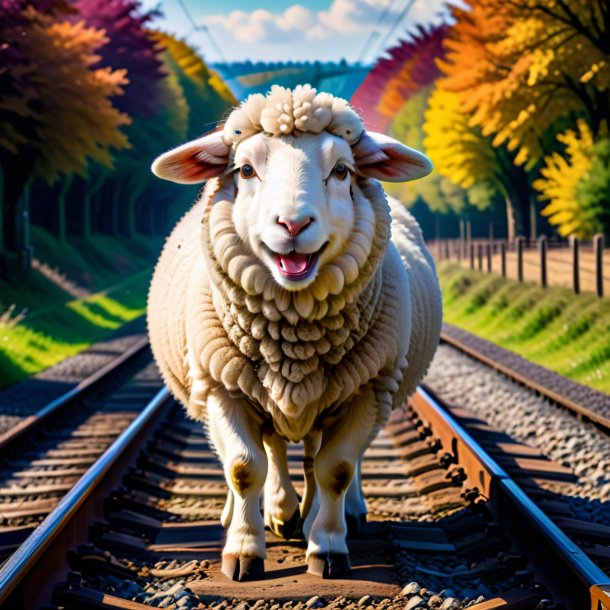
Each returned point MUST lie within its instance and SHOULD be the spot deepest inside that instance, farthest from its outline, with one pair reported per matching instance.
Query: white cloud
(344, 22)
(263, 26)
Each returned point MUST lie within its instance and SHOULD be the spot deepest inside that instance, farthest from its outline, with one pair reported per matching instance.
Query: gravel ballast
(527, 417)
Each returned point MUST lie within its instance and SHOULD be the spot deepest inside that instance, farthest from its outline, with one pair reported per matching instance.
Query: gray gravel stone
(528, 418)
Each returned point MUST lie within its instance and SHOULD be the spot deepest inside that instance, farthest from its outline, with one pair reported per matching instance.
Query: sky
(285, 30)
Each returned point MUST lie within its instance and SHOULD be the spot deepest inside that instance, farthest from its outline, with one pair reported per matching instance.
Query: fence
(546, 261)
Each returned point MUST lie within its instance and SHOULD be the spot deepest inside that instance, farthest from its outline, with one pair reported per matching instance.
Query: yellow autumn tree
(519, 65)
(561, 177)
(462, 154)
(439, 193)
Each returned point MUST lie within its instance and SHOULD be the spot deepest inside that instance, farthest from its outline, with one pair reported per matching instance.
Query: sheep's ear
(195, 161)
(384, 158)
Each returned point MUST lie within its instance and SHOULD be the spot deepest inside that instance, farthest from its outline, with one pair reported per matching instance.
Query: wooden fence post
(447, 253)
(480, 255)
(472, 256)
(503, 257)
(519, 242)
(598, 244)
(542, 247)
(575, 264)
(489, 246)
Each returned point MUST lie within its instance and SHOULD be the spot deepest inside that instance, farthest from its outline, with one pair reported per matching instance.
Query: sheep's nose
(294, 227)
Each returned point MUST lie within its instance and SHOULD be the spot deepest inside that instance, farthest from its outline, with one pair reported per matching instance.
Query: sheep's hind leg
(233, 426)
(281, 502)
(345, 439)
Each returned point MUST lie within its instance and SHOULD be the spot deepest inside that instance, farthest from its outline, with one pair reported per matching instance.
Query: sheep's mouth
(295, 266)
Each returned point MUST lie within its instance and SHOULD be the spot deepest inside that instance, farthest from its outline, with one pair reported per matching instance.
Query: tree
(207, 95)
(130, 46)
(438, 192)
(418, 70)
(519, 65)
(577, 184)
(467, 158)
(64, 105)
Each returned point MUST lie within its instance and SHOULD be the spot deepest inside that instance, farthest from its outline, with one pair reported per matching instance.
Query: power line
(374, 35)
(399, 19)
(203, 28)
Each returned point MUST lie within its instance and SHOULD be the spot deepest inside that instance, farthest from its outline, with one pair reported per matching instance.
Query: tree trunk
(16, 176)
(62, 221)
(511, 219)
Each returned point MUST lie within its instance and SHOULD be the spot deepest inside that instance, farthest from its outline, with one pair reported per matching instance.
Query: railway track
(45, 455)
(454, 522)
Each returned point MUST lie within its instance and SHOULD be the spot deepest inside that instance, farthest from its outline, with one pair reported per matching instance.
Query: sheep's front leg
(237, 432)
(355, 506)
(281, 502)
(344, 440)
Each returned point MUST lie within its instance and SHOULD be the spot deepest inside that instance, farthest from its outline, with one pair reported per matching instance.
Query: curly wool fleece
(283, 112)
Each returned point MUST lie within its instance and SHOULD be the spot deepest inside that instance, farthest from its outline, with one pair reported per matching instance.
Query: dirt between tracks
(286, 576)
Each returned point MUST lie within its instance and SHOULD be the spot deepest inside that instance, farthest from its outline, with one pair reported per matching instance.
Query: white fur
(262, 358)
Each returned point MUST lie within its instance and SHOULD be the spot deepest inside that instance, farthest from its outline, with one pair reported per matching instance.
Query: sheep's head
(295, 158)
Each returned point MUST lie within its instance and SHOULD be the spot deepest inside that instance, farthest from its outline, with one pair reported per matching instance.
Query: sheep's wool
(295, 354)
(284, 111)
(218, 319)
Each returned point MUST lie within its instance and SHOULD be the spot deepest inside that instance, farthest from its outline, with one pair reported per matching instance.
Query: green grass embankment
(88, 290)
(567, 333)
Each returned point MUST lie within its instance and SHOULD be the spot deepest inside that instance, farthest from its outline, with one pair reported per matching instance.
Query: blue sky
(288, 30)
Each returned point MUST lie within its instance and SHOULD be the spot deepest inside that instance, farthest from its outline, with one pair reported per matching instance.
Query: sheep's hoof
(330, 565)
(288, 530)
(355, 524)
(242, 568)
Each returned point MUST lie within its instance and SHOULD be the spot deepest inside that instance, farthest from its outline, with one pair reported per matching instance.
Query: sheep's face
(294, 204)
(296, 201)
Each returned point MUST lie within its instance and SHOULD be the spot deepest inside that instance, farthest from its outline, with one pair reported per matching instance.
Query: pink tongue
(294, 262)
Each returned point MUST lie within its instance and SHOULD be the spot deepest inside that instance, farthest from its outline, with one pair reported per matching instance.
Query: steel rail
(482, 470)
(22, 561)
(29, 423)
(553, 395)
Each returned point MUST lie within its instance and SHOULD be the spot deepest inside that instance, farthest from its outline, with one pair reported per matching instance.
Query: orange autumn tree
(519, 65)
(521, 68)
(68, 116)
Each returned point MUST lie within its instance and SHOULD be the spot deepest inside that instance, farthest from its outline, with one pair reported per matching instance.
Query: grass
(41, 321)
(567, 333)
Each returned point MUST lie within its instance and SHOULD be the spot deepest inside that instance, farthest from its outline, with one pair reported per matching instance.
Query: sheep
(280, 310)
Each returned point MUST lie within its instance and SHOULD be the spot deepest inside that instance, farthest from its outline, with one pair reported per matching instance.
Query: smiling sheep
(280, 310)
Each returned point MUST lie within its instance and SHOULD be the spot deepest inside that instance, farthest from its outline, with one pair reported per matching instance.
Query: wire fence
(548, 262)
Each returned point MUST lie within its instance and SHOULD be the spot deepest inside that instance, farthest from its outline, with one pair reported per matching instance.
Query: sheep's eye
(340, 171)
(247, 171)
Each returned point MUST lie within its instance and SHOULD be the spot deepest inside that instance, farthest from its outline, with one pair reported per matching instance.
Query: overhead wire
(374, 35)
(203, 28)
(399, 19)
